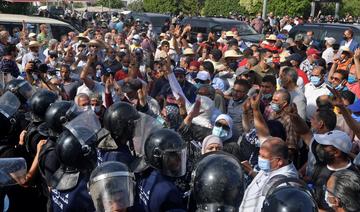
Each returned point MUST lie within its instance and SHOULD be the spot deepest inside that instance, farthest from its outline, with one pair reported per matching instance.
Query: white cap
(330, 40)
(336, 138)
(203, 75)
(31, 34)
(136, 37)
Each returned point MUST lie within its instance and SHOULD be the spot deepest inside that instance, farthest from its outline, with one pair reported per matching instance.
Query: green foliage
(161, 6)
(110, 3)
(224, 7)
(16, 8)
(351, 7)
(137, 6)
(189, 7)
(252, 7)
(289, 7)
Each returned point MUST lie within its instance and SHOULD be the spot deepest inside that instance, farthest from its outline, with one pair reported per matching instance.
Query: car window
(158, 21)
(58, 31)
(245, 29)
(10, 26)
(336, 33)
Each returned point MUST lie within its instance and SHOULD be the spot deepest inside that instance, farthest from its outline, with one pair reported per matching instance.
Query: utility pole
(264, 9)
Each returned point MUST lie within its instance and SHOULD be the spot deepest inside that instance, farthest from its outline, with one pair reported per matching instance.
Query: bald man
(274, 164)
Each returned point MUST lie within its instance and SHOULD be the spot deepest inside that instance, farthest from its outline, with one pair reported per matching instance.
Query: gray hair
(284, 94)
(291, 73)
(347, 189)
(52, 42)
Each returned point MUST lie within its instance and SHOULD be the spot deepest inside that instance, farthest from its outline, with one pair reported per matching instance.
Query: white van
(56, 28)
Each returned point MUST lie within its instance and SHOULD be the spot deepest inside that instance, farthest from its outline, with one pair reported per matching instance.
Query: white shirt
(254, 194)
(347, 43)
(328, 55)
(287, 27)
(31, 56)
(98, 89)
(311, 94)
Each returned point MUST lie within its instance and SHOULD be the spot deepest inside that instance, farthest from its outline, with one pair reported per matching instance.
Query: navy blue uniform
(159, 193)
(121, 154)
(76, 199)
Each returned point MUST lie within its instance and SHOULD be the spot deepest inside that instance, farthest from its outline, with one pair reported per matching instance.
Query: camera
(38, 67)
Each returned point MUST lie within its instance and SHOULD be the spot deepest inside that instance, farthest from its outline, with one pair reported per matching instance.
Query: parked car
(157, 20)
(323, 30)
(216, 25)
(56, 28)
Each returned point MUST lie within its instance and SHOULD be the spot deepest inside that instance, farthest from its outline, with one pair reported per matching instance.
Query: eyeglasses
(92, 46)
(225, 127)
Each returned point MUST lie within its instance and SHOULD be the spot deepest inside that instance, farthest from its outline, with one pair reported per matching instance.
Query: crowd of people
(118, 118)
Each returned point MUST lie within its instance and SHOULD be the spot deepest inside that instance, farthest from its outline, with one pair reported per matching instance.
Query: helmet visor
(174, 163)
(9, 104)
(26, 90)
(112, 191)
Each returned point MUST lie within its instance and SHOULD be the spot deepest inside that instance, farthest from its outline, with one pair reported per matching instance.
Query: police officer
(284, 195)
(111, 187)
(119, 120)
(165, 152)
(22, 89)
(76, 152)
(217, 183)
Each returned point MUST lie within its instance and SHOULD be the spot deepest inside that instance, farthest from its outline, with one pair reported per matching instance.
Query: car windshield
(245, 29)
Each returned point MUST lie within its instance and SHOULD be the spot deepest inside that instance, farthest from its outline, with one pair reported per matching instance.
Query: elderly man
(274, 164)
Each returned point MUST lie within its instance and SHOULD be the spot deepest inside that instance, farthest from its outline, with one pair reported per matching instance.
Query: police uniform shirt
(254, 195)
(158, 193)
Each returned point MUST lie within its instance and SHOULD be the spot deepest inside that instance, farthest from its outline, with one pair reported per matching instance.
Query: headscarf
(229, 121)
(210, 139)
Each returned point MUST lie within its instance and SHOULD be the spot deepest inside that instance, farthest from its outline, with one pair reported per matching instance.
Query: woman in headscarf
(211, 143)
(223, 128)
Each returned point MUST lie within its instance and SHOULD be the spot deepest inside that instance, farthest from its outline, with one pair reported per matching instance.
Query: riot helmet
(166, 151)
(9, 104)
(21, 88)
(217, 182)
(39, 103)
(119, 120)
(57, 114)
(111, 186)
(12, 171)
(289, 195)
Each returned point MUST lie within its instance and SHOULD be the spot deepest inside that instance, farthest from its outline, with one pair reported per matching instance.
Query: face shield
(9, 104)
(113, 191)
(174, 162)
(12, 171)
(25, 90)
(85, 127)
(142, 128)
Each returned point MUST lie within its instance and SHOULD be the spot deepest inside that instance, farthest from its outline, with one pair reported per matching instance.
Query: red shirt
(302, 74)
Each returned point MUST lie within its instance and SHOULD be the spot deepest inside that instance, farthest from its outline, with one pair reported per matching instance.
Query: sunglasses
(225, 127)
(336, 79)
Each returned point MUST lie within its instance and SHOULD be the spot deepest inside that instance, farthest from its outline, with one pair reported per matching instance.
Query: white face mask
(327, 201)
(96, 108)
(85, 108)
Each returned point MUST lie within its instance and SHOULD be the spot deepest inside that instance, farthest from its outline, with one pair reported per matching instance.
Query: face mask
(98, 73)
(96, 108)
(125, 69)
(267, 96)
(315, 80)
(327, 201)
(219, 131)
(275, 107)
(123, 50)
(197, 85)
(264, 164)
(199, 40)
(9, 39)
(193, 75)
(339, 87)
(85, 108)
(233, 65)
(352, 79)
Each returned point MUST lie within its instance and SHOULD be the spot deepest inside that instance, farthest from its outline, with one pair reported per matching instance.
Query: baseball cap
(132, 85)
(179, 70)
(241, 70)
(203, 75)
(330, 40)
(297, 57)
(355, 108)
(312, 51)
(136, 37)
(336, 138)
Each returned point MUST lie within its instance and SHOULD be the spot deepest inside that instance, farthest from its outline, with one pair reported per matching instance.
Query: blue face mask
(267, 96)
(197, 85)
(233, 65)
(275, 107)
(193, 75)
(125, 69)
(315, 80)
(264, 164)
(352, 79)
(219, 131)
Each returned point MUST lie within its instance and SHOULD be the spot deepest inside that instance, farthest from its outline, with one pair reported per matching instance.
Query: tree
(290, 7)
(137, 6)
(110, 3)
(251, 6)
(161, 6)
(351, 7)
(217, 8)
(190, 7)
